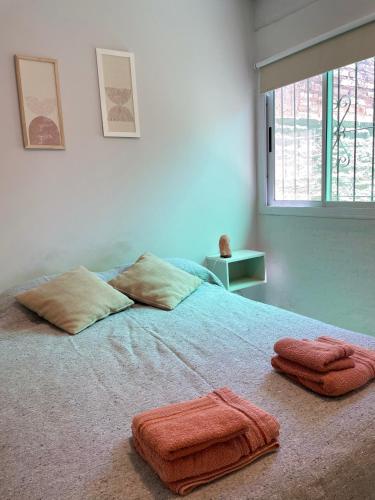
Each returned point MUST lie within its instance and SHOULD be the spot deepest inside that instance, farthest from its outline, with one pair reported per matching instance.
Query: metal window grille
(322, 137)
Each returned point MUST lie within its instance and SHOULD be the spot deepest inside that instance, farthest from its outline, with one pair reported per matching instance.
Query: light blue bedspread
(66, 402)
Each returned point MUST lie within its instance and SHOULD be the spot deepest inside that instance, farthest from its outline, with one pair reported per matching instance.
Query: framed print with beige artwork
(118, 93)
(40, 103)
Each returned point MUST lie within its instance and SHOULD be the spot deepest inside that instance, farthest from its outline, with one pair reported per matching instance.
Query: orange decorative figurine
(224, 246)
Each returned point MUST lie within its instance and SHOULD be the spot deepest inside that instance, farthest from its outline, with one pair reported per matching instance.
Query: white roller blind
(351, 46)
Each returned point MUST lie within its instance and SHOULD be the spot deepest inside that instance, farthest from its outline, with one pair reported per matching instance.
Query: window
(321, 139)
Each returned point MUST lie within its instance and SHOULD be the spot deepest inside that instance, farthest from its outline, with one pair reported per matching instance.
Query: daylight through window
(322, 137)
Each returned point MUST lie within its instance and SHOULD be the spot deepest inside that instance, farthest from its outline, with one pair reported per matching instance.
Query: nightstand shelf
(241, 283)
(246, 268)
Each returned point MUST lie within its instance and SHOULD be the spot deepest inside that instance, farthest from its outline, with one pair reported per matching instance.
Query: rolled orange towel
(334, 382)
(195, 442)
(317, 355)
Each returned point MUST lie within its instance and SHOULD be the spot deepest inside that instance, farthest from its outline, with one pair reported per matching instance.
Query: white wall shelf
(246, 268)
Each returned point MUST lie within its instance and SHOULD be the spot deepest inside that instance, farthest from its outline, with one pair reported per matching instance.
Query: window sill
(342, 212)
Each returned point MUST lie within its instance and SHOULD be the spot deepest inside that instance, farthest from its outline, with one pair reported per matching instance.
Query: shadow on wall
(322, 268)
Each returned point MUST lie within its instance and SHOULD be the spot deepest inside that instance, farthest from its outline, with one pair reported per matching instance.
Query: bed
(66, 402)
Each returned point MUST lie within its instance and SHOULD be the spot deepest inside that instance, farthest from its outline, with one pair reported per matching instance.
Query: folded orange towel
(188, 444)
(315, 354)
(334, 382)
(187, 484)
(180, 429)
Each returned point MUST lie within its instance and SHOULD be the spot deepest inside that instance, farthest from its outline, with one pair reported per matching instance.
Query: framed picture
(118, 93)
(40, 104)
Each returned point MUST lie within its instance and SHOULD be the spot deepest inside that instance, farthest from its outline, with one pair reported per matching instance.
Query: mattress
(66, 402)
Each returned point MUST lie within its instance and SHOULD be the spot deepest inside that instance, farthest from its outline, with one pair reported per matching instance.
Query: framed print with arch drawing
(118, 93)
(39, 101)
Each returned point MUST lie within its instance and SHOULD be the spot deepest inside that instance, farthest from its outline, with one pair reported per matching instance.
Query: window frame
(270, 126)
(266, 159)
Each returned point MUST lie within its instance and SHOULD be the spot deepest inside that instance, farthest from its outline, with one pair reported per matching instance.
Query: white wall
(103, 201)
(320, 267)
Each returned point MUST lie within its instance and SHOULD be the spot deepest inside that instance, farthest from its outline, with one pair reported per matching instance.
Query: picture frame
(39, 98)
(118, 93)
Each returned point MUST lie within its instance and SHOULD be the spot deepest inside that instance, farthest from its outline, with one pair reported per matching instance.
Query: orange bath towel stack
(195, 442)
(327, 366)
